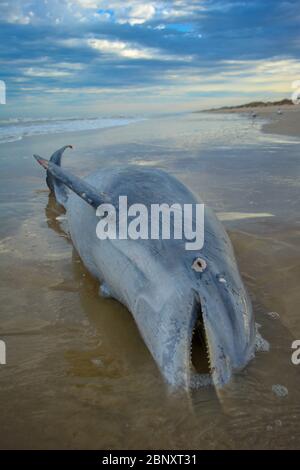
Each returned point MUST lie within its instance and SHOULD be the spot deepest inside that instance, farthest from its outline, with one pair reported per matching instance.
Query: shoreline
(287, 123)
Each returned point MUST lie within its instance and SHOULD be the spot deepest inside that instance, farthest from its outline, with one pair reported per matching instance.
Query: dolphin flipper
(104, 291)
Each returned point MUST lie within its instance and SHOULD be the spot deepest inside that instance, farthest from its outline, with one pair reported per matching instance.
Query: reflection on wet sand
(78, 374)
(54, 214)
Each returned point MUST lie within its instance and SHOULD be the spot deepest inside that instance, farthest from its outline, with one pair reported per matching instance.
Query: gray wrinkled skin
(155, 280)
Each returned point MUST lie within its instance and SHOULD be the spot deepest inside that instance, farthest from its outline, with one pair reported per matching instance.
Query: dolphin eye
(199, 265)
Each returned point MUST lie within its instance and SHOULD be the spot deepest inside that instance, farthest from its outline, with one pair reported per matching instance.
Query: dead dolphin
(191, 308)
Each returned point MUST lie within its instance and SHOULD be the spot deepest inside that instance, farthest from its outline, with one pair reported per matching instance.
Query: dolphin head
(197, 320)
(223, 322)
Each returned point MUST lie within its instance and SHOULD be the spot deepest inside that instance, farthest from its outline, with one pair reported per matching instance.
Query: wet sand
(78, 374)
(285, 123)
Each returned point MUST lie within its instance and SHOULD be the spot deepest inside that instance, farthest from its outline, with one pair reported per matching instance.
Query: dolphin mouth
(200, 360)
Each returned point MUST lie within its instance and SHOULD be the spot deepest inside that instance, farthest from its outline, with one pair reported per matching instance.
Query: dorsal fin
(87, 192)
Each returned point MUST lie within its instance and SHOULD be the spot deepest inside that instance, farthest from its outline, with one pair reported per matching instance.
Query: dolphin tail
(63, 179)
(55, 158)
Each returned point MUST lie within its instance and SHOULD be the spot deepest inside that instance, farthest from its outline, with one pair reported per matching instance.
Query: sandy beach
(149, 230)
(286, 123)
(78, 373)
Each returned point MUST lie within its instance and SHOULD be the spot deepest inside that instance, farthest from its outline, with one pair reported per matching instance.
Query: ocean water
(78, 373)
(17, 128)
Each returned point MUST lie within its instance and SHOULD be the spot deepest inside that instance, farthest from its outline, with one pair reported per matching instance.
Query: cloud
(138, 14)
(45, 69)
(13, 12)
(42, 73)
(176, 50)
(271, 76)
(119, 48)
(123, 49)
(133, 12)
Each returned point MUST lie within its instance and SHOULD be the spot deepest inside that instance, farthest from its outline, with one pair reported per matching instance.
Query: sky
(100, 57)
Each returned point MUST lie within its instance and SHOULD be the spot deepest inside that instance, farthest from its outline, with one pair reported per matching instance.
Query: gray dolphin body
(197, 323)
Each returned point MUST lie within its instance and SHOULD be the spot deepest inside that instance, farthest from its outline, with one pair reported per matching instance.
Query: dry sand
(287, 123)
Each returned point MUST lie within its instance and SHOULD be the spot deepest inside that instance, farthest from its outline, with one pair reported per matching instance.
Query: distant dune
(253, 104)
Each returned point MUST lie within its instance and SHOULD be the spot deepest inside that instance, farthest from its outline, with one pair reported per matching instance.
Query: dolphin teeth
(199, 329)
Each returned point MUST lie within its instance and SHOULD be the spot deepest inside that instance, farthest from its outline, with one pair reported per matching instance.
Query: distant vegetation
(255, 104)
